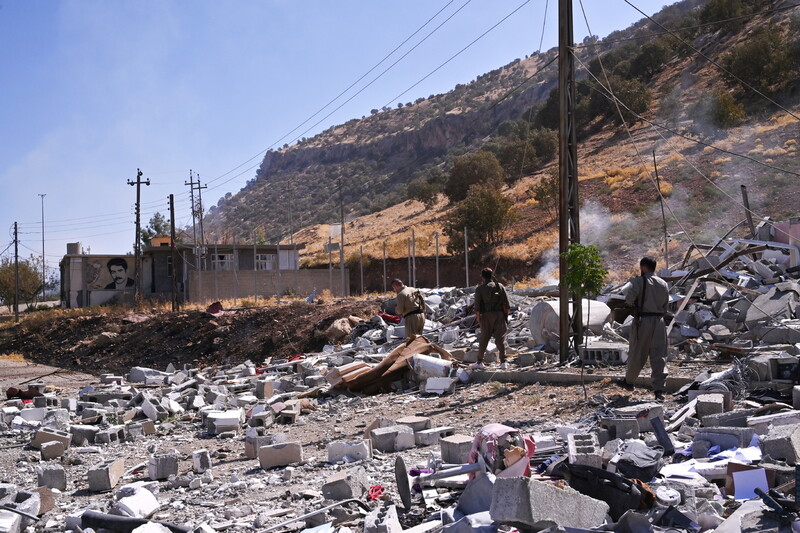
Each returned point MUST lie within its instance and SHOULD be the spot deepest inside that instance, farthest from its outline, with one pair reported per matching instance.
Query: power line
(343, 92)
(720, 67)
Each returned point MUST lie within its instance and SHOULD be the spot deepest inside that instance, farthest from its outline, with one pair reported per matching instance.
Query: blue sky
(94, 89)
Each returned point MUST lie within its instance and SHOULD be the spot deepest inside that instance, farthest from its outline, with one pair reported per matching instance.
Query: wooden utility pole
(174, 254)
(44, 267)
(568, 209)
(16, 273)
(663, 213)
(138, 242)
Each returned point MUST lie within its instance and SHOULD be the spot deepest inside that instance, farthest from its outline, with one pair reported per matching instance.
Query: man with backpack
(649, 297)
(491, 313)
(411, 306)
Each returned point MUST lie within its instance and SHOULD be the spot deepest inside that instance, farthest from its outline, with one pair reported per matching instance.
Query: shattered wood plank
(684, 302)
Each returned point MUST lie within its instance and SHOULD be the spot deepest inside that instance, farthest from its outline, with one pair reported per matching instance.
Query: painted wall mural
(111, 274)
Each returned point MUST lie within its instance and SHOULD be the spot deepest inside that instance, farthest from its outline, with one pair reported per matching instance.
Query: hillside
(698, 156)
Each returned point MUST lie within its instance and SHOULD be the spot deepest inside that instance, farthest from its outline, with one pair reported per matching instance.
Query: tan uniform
(491, 301)
(649, 333)
(411, 307)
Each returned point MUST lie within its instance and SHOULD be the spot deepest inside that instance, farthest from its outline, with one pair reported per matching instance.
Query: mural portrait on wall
(118, 269)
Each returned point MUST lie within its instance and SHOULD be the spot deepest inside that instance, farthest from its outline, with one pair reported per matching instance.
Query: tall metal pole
(138, 242)
(44, 264)
(255, 270)
(174, 254)
(408, 258)
(466, 257)
(663, 215)
(330, 264)
(436, 236)
(413, 258)
(194, 212)
(568, 209)
(199, 189)
(16, 273)
(341, 230)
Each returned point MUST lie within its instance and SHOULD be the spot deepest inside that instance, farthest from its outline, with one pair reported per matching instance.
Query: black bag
(639, 461)
(621, 494)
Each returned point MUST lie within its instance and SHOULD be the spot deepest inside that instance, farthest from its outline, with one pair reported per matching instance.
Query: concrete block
(221, 421)
(782, 442)
(378, 423)
(341, 451)
(52, 450)
(28, 502)
(710, 404)
(50, 435)
(137, 502)
(655, 410)
(263, 419)
(438, 385)
(346, 484)
(584, 449)
(456, 448)
(622, 428)
(416, 423)
(110, 435)
(726, 437)
(732, 419)
(45, 401)
(760, 424)
(429, 437)
(796, 396)
(392, 438)
(33, 414)
(83, 434)
(280, 455)
(154, 411)
(161, 466)
(538, 505)
(201, 461)
(52, 476)
(253, 442)
(383, 519)
(106, 475)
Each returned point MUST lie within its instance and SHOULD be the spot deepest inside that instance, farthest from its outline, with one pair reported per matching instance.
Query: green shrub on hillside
(485, 212)
(765, 61)
(471, 169)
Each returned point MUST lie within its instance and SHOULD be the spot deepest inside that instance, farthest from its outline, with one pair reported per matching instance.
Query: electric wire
(720, 67)
(650, 176)
(352, 85)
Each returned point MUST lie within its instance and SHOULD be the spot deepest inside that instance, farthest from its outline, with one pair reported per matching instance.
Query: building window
(222, 261)
(265, 261)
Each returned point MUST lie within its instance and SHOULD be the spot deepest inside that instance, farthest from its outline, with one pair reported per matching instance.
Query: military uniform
(649, 295)
(411, 307)
(491, 301)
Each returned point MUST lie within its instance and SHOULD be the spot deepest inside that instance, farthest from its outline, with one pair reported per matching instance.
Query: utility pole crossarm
(138, 242)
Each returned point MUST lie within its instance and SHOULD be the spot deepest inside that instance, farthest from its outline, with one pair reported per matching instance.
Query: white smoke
(596, 222)
(548, 273)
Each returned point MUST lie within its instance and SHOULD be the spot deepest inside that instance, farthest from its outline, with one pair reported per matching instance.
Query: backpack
(638, 460)
(495, 300)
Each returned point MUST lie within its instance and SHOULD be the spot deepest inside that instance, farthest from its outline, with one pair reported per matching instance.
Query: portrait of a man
(118, 268)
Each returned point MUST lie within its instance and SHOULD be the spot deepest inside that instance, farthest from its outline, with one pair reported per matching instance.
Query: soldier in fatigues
(491, 311)
(649, 297)
(411, 307)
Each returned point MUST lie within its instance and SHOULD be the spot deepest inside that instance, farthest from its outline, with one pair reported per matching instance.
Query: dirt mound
(114, 341)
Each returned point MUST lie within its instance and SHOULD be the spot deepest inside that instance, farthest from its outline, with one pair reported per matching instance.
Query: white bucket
(426, 367)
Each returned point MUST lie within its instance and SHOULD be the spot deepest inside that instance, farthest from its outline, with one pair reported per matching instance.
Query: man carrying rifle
(649, 297)
(491, 313)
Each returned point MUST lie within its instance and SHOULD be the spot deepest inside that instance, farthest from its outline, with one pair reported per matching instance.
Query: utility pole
(413, 258)
(175, 304)
(44, 265)
(384, 266)
(466, 257)
(191, 183)
(199, 189)
(361, 265)
(436, 236)
(330, 264)
(138, 242)
(341, 231)
(663, 214)
(16, 273)
(568, 208)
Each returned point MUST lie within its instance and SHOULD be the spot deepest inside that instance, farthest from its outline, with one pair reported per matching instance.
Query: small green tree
(546, 192)
(30, 280)
(485, 212)
(470, 169)
(765, 60)
(585, 274)
(422, 190)
(725, 111)
(158, 225)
